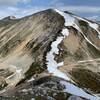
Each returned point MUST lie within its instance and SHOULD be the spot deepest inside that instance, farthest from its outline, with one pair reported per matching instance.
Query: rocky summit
(50, 55)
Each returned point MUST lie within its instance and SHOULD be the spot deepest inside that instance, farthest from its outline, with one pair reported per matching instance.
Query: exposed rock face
(26, 50)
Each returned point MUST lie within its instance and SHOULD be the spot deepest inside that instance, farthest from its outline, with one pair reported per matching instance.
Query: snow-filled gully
(52, 65)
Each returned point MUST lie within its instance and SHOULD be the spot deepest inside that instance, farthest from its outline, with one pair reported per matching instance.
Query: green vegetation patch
(83, 23)
(95, 53)
(86, 78)
(35, 68)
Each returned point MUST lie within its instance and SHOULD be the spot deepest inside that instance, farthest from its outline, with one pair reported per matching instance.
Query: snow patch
(24, 90)
(30, 80)
(69, 20)
(60, 64)
(54, 45)
(17, 72)
(72, 89)
(52, 65)
(32, 98)
(65, 32)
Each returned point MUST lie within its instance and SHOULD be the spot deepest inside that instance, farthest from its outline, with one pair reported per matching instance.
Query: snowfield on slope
(71, 88)
(52, 65)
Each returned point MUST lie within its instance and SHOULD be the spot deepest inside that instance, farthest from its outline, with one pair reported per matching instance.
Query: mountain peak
(52, 43)
(9, 18)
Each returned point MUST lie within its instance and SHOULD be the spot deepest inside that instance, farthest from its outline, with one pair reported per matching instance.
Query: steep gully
(52, 65)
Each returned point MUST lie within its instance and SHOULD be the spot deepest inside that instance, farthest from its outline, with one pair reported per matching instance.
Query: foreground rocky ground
(46, 88)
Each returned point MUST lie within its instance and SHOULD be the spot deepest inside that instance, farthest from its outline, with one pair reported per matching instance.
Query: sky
(20, 8)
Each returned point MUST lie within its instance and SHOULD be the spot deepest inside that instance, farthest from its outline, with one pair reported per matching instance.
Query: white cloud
(8, 7)
(8, 2)
(83, 9)
(20, 12)
(11, 2)
(95, 17)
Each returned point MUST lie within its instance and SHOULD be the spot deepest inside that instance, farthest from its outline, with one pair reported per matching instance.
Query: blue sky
(20, 8)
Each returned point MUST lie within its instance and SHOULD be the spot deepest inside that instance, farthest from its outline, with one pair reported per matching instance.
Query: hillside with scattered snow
(50, 52)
